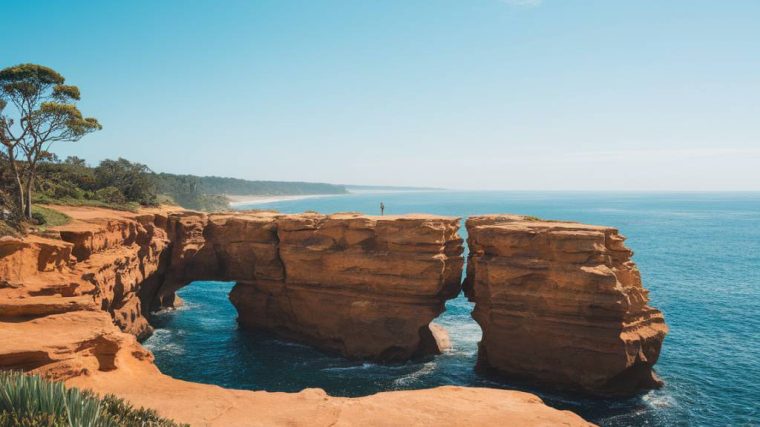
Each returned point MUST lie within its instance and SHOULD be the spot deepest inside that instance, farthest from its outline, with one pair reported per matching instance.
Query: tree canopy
(36, 110)
(133, 180)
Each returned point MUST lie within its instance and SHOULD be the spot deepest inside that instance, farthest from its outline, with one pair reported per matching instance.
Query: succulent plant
(31, 401)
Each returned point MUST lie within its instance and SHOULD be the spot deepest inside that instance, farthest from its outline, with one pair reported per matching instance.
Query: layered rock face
(360, 286)
(65, 304)
(365, 287)
(561, 303)
(60, 299)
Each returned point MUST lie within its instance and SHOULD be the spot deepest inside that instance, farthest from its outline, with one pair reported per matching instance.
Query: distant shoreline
(239, 200)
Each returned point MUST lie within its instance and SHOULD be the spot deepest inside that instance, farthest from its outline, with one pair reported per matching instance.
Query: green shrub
(39, 218)
(110, 195)
(134, 180)
(66, 190)
(37, 420)
(30, 401)
(124, 414)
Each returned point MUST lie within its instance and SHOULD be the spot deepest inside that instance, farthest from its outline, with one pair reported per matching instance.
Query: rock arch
(364, 287)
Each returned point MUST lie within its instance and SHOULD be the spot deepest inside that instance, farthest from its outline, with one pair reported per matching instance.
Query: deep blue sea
(699, 255)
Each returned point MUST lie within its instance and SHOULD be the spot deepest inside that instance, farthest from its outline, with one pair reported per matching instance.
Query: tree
(134, 180)
(45, 113)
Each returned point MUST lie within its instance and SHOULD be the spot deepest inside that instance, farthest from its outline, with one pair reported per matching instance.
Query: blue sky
(472, 94)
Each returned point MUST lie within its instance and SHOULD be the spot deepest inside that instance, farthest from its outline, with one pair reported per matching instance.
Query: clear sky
(472, 94)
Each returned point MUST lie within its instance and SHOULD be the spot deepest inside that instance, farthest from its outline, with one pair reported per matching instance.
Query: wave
(170, 310)
(427, 369)
(163, 342)
(365, 365)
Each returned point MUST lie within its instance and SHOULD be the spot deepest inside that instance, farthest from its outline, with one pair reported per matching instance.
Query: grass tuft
(70, 201)
(47, 217)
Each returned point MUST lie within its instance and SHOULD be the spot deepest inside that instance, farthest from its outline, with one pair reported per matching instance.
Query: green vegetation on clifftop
(124, 185)
(47, 217)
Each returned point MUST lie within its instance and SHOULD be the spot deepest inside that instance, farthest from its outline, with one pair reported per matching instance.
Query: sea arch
(364, 287)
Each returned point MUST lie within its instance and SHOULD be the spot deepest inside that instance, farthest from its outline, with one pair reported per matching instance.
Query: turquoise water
(699, 255)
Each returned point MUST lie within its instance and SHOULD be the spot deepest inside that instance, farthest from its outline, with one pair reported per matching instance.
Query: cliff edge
(71, 309)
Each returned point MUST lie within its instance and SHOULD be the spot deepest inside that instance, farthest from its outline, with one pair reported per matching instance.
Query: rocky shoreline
(72, 308)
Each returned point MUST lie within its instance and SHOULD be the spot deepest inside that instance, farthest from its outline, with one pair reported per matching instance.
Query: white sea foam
(657, 399)
(170, 310)
(365, 365)
(426, 369)
(161, 339)
(290, 343)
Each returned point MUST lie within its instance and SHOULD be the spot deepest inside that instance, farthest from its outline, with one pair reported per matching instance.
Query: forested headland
(123, 184)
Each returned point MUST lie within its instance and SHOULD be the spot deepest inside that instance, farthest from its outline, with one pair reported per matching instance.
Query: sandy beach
(239, 200)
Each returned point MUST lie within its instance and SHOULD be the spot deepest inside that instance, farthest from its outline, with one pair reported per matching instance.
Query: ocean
(699, 255)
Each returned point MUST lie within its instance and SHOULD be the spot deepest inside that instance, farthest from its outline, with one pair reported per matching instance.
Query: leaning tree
(36, 110)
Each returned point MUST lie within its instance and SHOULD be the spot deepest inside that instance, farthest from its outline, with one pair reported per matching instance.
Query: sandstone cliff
(60, 299)
(365, 287)
(64, 304)
(561, 303)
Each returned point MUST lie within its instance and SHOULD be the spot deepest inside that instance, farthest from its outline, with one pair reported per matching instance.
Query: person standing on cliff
(382, 208)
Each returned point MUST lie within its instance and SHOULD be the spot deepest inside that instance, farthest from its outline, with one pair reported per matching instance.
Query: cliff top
(84, 215)
(496, 221)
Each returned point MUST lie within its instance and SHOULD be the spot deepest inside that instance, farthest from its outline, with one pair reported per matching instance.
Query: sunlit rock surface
(365, 287)
(561, 303)
(70, 309)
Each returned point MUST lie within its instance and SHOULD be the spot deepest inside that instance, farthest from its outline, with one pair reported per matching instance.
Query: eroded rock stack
(561, 303)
